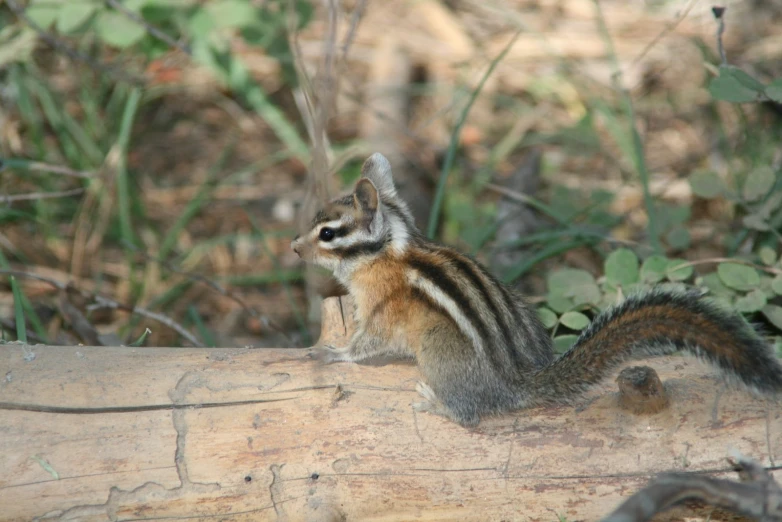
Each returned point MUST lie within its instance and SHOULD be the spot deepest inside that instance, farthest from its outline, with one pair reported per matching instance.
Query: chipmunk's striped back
(503, 331)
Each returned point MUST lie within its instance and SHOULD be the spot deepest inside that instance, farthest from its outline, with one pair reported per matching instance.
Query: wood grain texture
(250, 434)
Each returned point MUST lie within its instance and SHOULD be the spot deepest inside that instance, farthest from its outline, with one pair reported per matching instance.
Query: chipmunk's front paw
(331, 354)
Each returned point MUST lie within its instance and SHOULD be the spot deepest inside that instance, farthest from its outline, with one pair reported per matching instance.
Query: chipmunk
(480, 347)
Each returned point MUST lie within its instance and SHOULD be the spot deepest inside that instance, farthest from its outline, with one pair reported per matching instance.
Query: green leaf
(755, 222)
(43, 12)
(232, 13)
(706, 184)
(752, 302)
(767, 255)
(46, 466)
(118, 30)
(774, 90)
(736, 86)
(776, 285)
(574, 320)
(738, 277)
(199, 26)
(547, 317)
(16, 46)
(562, 282)
(562, 343)
(713, 282)
(678, 238)
(74, 14)
(774, 314)
(137, 5)
(621, 267)
(559, 303)
(571, 287)
(653, 269)
(758, 183)
(676, 272)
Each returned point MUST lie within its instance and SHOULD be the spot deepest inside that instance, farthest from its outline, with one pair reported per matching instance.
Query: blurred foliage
(135, 33)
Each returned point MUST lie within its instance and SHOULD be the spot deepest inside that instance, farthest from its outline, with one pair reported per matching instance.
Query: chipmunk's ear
(377, 169)
(367, 200)
(366, 196)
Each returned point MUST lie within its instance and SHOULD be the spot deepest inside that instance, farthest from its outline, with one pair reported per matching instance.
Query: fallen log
(120, 433)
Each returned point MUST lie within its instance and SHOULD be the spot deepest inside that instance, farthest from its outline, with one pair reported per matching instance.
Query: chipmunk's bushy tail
(659, 323)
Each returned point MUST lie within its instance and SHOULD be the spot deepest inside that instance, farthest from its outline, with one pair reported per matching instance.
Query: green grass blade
(434, 216)
(53, 115)
(141, 339)
(29, 311)
(203, 332)
(276, 119)
(28, 111)
(123, 183)
(21, 324)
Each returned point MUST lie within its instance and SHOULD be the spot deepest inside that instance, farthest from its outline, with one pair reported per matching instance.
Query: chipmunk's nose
(295, 244)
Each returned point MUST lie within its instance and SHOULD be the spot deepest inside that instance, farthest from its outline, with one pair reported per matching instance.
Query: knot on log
(641, 391)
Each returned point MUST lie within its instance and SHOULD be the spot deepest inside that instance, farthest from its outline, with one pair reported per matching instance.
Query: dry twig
(38, 166)
(104, 302)
(34, 196)
(265, 320)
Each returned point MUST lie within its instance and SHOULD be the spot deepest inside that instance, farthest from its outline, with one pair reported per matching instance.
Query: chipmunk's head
(367, 223)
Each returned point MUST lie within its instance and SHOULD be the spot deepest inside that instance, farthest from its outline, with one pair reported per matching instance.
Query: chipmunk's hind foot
(433, 404)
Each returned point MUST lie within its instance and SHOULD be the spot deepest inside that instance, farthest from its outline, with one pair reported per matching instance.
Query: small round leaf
(42, 12)
(232, 13)
(621, 267)
(547, 317)
(706, 184)
(562, 343)
(118, 30)
(678, 270)
(755, 222)
(767, 255)
(574, 320)
(774, 90)
(653, 269)
(74, 14)
(752, 302)
(738, 277)
(758, 183)
(713, 282)
(559, 303)
(774, 314)
(678, 238)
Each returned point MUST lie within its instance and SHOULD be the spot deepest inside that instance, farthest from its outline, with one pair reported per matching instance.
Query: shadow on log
(255, 434)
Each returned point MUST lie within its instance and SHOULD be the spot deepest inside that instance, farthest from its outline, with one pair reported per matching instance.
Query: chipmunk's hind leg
(458, 412)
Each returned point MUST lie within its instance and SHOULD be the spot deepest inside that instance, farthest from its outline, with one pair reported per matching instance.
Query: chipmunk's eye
(326, 234)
